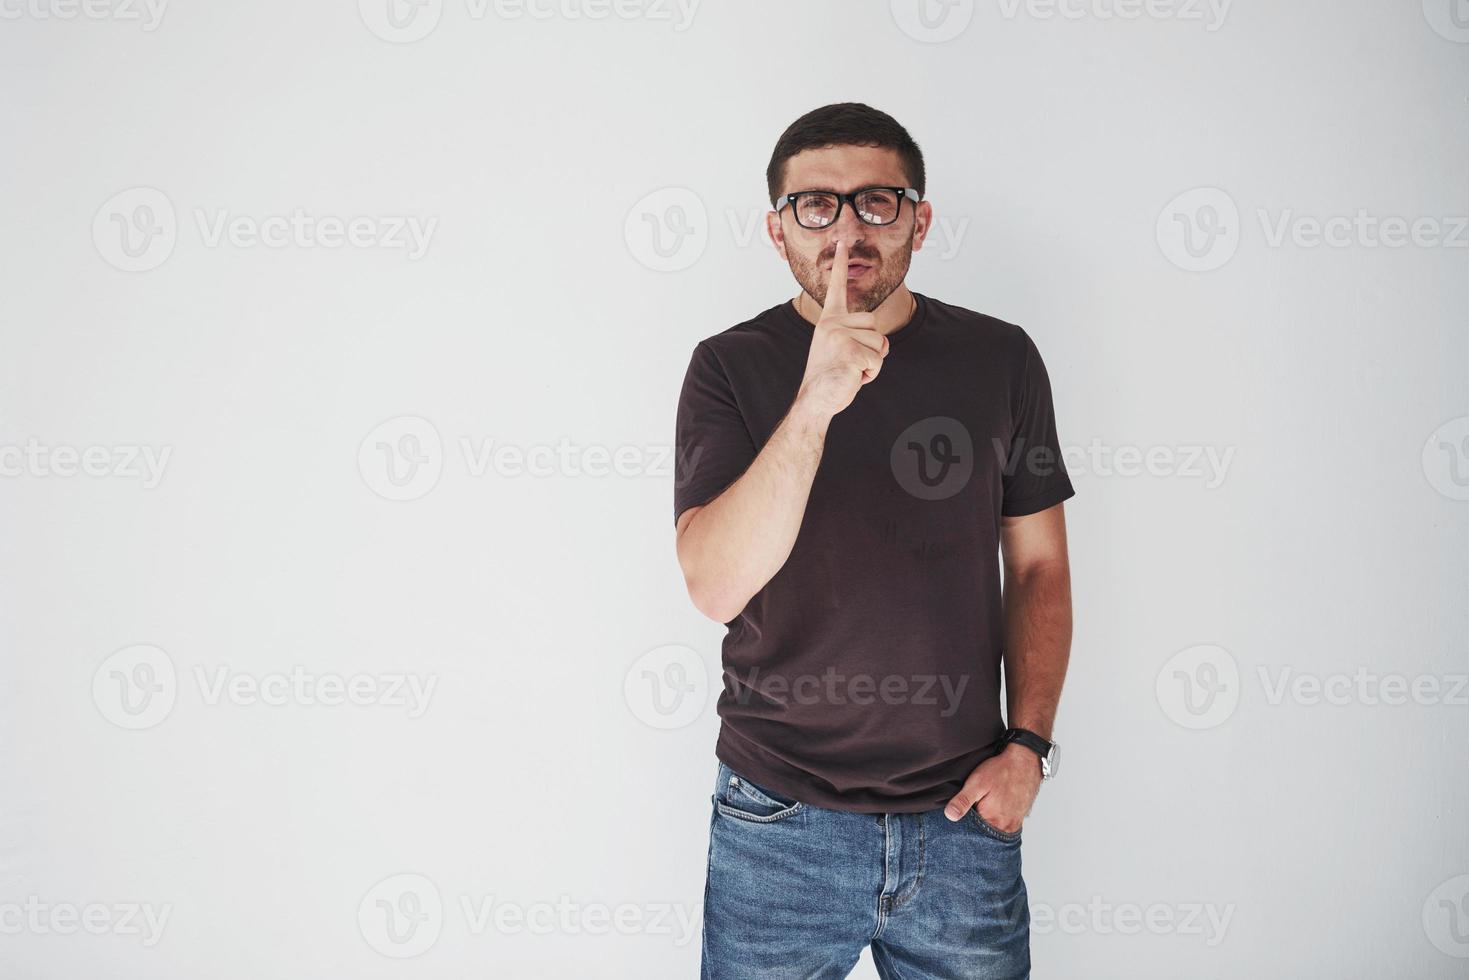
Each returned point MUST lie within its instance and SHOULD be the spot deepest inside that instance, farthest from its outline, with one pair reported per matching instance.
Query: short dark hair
(844, 124)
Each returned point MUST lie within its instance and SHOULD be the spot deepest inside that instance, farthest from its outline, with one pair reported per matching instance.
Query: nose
(848, 228)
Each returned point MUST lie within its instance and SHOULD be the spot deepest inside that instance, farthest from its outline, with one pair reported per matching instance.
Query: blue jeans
(796, 891)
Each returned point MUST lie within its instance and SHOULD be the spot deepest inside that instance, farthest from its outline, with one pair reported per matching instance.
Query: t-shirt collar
(920, 314)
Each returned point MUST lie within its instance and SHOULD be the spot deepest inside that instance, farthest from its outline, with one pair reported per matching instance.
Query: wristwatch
(1048, 751)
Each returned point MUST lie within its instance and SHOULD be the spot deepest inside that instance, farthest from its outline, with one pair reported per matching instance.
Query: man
(851, 463)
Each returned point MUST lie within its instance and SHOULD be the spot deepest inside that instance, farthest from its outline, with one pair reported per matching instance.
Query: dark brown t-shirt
(865, 675)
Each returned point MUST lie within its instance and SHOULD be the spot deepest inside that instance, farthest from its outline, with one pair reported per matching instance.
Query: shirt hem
(751, 764)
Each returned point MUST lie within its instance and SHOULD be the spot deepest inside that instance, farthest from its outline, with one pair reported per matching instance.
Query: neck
(892, 314)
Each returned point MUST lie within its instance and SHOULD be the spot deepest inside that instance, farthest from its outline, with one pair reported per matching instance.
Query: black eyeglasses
(873, 205)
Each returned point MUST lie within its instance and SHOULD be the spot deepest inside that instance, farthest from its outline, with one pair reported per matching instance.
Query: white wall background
(1217, 816)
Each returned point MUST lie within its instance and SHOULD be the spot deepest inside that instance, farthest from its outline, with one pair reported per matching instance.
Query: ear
(774, 233)
(922, 222)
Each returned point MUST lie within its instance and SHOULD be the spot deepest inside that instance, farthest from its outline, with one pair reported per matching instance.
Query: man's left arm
(1037, 607)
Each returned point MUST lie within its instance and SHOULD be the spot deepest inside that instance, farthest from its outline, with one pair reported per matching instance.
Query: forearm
(739, 540)
(1037, 644)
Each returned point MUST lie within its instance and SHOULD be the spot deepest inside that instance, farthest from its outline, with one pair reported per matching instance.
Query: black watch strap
(1029, 739)
(1045, 749)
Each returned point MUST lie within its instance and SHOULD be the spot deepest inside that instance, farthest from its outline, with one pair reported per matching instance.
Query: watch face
(1053, 759)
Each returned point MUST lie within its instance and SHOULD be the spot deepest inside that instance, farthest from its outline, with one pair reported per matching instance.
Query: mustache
(868, 257)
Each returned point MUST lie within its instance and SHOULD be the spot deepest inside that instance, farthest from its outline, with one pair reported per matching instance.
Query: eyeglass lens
(876, 207)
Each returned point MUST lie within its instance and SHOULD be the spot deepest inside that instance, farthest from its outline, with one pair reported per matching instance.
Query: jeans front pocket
(990, 829)
(741, 799)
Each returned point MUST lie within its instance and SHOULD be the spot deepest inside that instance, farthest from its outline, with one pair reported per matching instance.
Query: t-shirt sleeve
(712, 445)
(1035, 475)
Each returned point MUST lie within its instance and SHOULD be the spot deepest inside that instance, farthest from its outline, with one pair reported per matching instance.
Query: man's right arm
(731, 546)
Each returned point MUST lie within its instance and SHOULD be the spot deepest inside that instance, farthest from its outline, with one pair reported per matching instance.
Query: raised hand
(847, 350)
